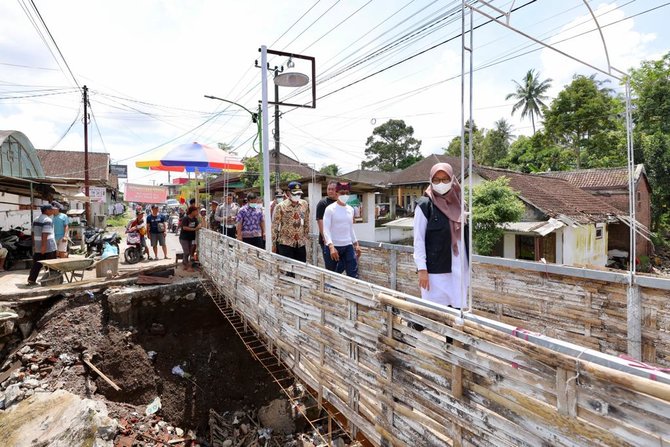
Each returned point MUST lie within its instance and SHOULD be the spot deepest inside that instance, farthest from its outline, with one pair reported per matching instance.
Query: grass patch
(120, 220)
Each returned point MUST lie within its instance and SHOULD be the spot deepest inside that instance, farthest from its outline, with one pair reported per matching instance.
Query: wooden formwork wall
(587, 307)
(457, 383)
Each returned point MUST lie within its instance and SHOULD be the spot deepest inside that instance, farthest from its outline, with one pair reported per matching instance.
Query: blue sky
(149, 63)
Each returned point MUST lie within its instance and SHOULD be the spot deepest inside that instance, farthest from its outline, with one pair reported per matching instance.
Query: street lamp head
(290, 63)
(291, 80)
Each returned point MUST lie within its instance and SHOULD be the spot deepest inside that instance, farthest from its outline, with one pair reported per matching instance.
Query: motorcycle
(18, 244)
(95, 239)
(174, 224)
(135, 251)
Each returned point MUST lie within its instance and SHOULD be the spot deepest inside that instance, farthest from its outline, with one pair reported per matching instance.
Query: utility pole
(87, 203)
(277, 172)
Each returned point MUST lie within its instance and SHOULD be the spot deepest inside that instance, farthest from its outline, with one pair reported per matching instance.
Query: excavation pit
(166, 341)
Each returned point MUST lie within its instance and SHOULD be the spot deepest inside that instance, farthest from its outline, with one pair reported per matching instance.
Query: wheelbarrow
(69, 269)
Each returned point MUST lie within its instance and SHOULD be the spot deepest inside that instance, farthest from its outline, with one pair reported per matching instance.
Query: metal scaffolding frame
(503, 18)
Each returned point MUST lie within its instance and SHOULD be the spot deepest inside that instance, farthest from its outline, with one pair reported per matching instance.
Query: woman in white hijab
(438, 248)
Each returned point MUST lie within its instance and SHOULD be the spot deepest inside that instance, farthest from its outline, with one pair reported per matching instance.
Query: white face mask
(442, 188)
(295, 197)
(254, 205)
(344, 198)
(280, 199)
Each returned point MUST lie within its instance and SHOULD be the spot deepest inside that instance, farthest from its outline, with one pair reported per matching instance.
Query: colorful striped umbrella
(193, 157)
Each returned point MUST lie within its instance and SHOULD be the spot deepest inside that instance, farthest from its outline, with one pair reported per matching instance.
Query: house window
(525, 247)
(534, 248)
(599, 231)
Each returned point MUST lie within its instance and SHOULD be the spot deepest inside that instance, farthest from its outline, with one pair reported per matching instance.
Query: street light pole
(276, 153)
(265, 143)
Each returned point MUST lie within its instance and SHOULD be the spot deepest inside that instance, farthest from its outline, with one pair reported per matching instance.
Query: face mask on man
(442, 188)
(295, 197)
(279, 199)
(254, 205)
(344, 198)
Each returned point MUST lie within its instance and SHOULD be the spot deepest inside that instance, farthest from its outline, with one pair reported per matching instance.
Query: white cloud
(626, 46)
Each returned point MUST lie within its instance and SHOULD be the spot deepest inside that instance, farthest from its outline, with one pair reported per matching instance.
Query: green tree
(585, 118)
(651, 87)
(253, 175)
(478, 135)
(536, 154)
(496, 144)
(331, 169)
(392, 146)
(493, 203)
(530, 96)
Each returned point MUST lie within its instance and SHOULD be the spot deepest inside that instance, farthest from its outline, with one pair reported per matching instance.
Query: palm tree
(504, 129)
(530, 95)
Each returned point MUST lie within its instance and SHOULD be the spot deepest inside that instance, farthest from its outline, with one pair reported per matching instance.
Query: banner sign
(121, 171)
(145, 193)
(97, 194)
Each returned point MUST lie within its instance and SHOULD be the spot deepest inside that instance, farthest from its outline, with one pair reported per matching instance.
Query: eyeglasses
(441, 180)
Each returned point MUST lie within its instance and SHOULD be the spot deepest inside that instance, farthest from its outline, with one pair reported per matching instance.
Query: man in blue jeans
(338, 232)
(157, 226)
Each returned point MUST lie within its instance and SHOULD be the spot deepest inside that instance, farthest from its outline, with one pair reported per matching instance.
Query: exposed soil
(190, 334)
(223, 375)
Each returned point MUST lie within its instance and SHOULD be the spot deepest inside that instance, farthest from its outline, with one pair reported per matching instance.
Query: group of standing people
(50, 237)
(438, 245)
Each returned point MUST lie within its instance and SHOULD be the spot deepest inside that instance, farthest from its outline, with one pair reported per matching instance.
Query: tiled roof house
(611, 186)
(563, 223)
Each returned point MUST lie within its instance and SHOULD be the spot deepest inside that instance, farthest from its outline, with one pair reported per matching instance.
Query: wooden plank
(102, 376)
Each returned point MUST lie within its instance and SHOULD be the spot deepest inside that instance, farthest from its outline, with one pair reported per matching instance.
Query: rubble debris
(140, 363)
(244, 429)
(277, 415)
(153, 407)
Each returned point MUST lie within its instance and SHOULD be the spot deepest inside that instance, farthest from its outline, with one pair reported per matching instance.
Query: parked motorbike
(135, 251)
(19, 245)
(174, 223)
(95, 239)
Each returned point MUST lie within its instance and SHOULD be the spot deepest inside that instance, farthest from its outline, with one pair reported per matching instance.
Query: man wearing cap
(290, 225)
(279, 198)
(44, 242)
(214, 224)
(226, 215)
(61, 225)
(338, 232)
(157, 225)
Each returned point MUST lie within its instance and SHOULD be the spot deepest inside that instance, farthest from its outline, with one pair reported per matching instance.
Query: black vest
(437, 238)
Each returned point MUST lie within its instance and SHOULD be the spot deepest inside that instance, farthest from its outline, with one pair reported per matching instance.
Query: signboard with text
(97, 194)
(145, 193)
(121, 171)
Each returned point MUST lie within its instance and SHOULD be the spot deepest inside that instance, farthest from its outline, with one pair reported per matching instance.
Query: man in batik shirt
(290, 225)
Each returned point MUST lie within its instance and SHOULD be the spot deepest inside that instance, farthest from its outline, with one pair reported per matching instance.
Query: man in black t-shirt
(331, 197)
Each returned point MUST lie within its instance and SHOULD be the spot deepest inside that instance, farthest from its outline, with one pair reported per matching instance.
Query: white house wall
(509, 245)
(365, 231)
(580, 246)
